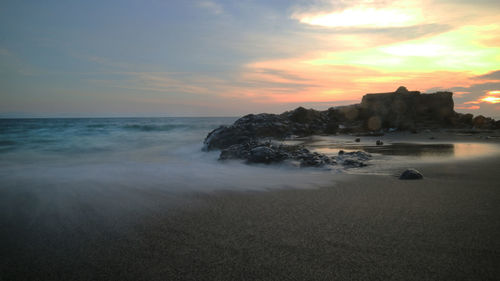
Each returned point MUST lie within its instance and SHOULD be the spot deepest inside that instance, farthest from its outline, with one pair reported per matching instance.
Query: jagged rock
(315, 160)
(268, 152)
(361, 155)
(264, 154)
(353, 163)
(248, 128)
(379, 142)
(411, 174)
(353, 159)
(237, 151)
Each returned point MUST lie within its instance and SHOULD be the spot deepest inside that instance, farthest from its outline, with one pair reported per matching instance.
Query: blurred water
(104, 153)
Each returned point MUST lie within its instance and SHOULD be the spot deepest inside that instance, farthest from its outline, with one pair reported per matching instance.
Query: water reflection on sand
(415, 150)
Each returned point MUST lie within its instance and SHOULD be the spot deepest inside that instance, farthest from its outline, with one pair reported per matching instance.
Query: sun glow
(363, 17)
(491, 97)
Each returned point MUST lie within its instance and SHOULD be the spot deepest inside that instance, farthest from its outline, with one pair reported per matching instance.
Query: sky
(83, 58)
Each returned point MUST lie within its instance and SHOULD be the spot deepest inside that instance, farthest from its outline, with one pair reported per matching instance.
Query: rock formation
(407, 110)
(269, 152)
(399, 110)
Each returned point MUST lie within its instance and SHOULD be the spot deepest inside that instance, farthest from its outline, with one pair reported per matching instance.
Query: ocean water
(129, 153)
(112, 156)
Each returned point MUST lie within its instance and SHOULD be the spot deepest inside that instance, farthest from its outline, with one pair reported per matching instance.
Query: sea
(130, 153)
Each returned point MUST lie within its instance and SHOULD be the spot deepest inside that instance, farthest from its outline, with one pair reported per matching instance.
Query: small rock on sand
(411, 174)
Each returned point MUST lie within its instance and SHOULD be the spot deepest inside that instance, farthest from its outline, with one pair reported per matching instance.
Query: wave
(162, 127)
(98, 126)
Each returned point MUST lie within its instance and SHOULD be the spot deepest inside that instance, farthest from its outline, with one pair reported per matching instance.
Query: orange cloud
(297, 80)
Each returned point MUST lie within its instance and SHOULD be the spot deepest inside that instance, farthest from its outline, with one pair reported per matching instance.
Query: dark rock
(465, 119)
(302, 115)
(411, 174)
(497, 124)
(379, 142)
(315, 160)
(248, 128)
(353, 163)
(237, 151)
(402, 90)
(361, 155)
(353, 159)
(264, 154)
(481, 122)
(357, 140)
(268, 152)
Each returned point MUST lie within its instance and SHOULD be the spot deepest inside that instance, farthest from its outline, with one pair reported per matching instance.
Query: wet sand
(362, 227)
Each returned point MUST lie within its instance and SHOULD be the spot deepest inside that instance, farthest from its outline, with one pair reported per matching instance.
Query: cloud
(482, 94)
(456, 50)
(211, 6)
(494, 75)
(363, 14)
(165, 82)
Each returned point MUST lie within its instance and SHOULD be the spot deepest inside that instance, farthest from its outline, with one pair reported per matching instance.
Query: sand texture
(362, 227)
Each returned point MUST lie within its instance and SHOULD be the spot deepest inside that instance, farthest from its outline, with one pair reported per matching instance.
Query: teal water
(110, 153)
(73, 136)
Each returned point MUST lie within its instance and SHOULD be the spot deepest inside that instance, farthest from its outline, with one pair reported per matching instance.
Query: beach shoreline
(359, 227)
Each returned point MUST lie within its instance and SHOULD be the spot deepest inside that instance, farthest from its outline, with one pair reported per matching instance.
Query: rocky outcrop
(247, 128)
(269, 152)
(407, 110)
(399, 110)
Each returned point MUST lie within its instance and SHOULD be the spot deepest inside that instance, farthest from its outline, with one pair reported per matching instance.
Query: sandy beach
(360, 227)
(253, 140)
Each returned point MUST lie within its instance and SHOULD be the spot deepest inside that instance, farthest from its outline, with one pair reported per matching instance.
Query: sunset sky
(228, 58)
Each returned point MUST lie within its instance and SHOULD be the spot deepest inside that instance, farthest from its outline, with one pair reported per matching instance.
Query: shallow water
(392, 157)
(423, 151)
